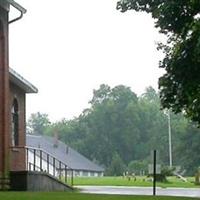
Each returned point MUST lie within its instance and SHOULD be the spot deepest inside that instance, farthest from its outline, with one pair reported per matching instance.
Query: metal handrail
(38, 159)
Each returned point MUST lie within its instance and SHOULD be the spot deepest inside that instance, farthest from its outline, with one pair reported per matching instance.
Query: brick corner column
(4, 93)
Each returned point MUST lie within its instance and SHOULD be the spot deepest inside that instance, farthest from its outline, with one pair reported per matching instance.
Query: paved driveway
(187, 192)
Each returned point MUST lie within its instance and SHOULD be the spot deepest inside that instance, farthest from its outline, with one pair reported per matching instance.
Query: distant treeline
(120, 129)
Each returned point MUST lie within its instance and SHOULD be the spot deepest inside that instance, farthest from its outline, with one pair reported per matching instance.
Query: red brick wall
(17, 154)
(9, 159)
(4, 94)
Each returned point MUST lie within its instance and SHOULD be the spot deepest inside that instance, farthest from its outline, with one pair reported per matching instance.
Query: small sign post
(154, 169)
(154, 172)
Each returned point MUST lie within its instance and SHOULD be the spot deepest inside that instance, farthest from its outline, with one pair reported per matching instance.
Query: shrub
(117, 166)
(138, 167)
(165, 171)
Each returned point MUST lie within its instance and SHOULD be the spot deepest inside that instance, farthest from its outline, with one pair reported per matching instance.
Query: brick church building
(18, 87)
(16, 171)
(13, 88)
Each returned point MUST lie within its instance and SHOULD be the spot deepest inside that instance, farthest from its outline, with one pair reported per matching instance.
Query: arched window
(15, 123)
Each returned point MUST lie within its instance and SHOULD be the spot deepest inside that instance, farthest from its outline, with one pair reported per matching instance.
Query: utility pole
(170, 138)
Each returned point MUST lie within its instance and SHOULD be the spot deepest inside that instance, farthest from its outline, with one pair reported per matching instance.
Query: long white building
(80, 165)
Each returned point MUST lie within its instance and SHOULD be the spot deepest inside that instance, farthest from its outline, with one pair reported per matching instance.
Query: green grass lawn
(77, 196)
(120, 181)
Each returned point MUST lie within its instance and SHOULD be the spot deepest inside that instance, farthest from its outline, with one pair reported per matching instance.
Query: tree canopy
(179, 20)
(120, 129)
(37, 123)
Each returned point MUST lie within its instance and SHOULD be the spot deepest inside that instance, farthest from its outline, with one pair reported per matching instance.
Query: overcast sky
(67, 48)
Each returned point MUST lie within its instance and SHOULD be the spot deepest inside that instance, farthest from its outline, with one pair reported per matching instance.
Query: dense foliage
(37, 123)
(119, 130)
(179, 20)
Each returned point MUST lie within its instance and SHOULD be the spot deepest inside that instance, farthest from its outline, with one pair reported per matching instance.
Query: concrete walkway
(123, 190)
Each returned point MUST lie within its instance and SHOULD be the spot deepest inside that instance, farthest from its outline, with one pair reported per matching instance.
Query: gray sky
(68, 48)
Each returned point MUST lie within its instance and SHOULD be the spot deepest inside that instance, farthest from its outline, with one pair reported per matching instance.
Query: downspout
(19, 8)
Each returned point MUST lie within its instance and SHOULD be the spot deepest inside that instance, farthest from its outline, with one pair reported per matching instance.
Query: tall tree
(179, 20)
(111, 122)
(37, 123)
(117, 167)
(188, 148)
(153, 126)
(120, 128)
